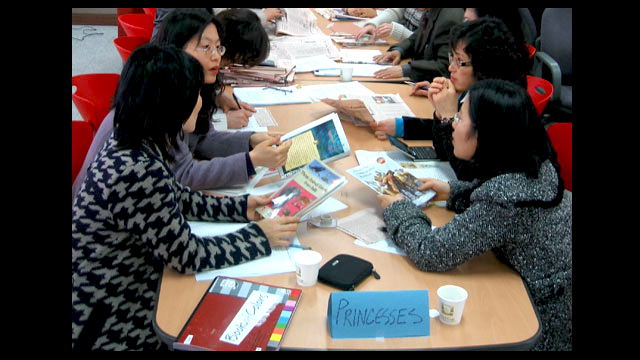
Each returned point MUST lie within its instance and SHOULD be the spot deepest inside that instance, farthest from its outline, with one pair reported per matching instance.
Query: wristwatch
(445, 120)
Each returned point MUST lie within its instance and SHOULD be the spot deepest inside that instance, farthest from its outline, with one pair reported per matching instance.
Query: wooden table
(498, 313)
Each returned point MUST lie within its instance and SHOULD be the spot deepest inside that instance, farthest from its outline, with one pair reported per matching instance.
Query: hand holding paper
(351, 108)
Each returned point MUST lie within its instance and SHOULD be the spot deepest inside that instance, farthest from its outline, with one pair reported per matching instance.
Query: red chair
(81, 137)
(93, 96)
(150, 11)
(540, 91)
(561, 136)
(126, 44)
(531, 50)
(137, 24)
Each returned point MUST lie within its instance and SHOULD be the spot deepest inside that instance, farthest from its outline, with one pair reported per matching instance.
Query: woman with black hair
(480, 49)
(225, 158)
(515, 206)
(129, 220)
(244, 37)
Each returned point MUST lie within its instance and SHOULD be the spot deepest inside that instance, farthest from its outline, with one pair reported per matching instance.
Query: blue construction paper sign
(371, 314)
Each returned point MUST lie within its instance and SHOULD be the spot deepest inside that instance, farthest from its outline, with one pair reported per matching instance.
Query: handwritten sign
(253, 312)
(371, 314)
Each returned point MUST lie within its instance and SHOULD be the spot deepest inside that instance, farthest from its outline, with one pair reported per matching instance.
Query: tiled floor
(95, 53)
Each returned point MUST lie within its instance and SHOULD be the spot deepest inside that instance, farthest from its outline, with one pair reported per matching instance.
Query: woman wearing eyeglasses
(515, 205)
(480, 49)
(226, 158)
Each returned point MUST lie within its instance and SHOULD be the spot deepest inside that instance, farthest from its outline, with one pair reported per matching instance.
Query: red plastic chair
(93, 96)
(150, 11)
(540, 91)
(531, 50)
(561, 136)
(81, 137)
(126, 44)
(137, 24)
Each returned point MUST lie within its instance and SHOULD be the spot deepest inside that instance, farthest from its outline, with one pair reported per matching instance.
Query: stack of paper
(237, 75)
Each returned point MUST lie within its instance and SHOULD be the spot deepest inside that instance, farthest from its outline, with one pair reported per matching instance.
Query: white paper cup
(307, 266)
(451, 301)
(345, 73)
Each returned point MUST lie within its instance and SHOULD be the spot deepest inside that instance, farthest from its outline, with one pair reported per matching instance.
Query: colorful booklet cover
(387, 177)
(303, 192)
(323, 139)
(239, 314)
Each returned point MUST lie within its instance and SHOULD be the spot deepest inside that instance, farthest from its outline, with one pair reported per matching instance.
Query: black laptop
(417, 153)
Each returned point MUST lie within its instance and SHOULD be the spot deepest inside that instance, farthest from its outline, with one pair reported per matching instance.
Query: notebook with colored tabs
(238, 314)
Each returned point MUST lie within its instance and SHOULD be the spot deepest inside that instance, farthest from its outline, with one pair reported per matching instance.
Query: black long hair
(178, 28)
(244, 37)
(493, 50)
(157, 92)
(511, 138)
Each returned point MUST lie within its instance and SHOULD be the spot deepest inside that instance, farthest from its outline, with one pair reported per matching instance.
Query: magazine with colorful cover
(387, 177)
(323, 139)
(303, 192)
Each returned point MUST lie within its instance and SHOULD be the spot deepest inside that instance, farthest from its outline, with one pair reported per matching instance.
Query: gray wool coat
(535, 241)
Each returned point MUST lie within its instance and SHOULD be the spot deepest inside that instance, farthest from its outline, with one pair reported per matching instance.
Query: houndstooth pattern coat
(128, 222)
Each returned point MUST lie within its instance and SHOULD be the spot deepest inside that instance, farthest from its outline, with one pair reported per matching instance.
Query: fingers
(381, 135)
(247, 107)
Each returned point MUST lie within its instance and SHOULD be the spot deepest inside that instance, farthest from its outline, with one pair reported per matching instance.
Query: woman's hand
(259, 137)
(237, 119)
(271, 14)
(280, 229)
(264, 154)
(367, 29)
(418, 91)
(275, 229)
(383, 127)
(389, 73)
(386, 200)
(392, 57)
(443, 97)
(442, 189)
(383, 30)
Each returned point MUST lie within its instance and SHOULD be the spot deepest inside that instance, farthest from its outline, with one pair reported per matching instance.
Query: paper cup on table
(451, 301)
(345, 73)
(307, 266)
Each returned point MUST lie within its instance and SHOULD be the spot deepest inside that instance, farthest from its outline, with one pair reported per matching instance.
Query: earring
(181, 133)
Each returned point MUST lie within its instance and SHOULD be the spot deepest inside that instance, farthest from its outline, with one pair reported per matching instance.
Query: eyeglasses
(458, 63)
(208, 50)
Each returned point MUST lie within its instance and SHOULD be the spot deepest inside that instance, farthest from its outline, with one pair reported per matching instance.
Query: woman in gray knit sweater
(516, 206)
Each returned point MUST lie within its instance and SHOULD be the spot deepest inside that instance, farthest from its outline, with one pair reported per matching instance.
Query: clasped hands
(442, 95)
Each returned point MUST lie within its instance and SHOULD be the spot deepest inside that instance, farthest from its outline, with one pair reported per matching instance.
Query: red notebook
(239, 315)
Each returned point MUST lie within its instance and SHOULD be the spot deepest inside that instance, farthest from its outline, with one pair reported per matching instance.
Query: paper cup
(307, 266)
(345, 73)
(451, 301)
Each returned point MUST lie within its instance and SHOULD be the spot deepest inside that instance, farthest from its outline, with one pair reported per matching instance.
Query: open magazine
(323, 139)
(387, 177)
(305, 191)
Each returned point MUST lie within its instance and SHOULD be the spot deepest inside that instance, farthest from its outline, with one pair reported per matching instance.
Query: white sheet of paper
(257, 307)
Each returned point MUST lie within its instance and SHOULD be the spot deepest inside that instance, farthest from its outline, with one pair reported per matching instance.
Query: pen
(275, 88)
(426, 88)
(300, 246)
(237, 102)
